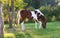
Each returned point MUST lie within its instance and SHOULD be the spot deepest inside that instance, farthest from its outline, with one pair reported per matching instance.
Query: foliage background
(49, 8)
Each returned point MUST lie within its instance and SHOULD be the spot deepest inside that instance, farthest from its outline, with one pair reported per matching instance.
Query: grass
(52, 31)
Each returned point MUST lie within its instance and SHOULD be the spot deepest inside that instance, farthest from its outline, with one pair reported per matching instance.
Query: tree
(9, 15)
(1, 20)
(12, 6)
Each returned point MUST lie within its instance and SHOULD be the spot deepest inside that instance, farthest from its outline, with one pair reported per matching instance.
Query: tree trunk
(12, 5)
(1, 21)
(9, 15)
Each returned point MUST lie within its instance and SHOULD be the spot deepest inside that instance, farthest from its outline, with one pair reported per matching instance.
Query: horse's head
(41, 17)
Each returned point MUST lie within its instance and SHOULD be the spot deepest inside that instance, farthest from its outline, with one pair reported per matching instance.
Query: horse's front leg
(40, 24)
(36, 25)
(22, 25)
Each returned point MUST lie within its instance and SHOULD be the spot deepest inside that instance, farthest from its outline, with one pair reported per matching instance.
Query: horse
(36, 15)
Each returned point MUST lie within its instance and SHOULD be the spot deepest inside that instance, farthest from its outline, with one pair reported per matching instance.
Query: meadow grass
(52, 31)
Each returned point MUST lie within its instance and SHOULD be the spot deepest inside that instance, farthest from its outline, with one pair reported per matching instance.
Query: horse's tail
(18, 18)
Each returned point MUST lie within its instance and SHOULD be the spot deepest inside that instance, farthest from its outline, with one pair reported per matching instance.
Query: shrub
(51, 13)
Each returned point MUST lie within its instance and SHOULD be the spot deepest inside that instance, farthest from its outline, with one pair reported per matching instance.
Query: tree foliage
(48, 7)
(19, 4)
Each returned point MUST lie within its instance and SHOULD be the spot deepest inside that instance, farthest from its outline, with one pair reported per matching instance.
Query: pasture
(52, 31)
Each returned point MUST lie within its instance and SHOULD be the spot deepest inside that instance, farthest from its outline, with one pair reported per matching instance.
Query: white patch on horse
(34, 15)
(39, 11)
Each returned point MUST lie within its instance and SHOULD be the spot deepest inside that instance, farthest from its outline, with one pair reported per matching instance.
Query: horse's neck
(39, 12)
(33, 13)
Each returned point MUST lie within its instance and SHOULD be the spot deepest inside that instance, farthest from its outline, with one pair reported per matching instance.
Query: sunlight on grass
(9, 35)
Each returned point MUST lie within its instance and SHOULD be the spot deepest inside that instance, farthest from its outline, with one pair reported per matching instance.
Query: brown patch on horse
(25, 14)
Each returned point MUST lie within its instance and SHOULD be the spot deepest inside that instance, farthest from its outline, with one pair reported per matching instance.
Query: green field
(52, 31)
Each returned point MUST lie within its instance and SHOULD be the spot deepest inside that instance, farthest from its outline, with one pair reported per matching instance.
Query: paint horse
(36, 15)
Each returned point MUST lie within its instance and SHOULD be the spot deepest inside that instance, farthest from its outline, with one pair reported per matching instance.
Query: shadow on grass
(23, 35)
(28, 35)
(19, 35)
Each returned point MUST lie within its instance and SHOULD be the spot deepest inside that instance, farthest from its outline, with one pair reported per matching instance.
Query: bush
(51, 13)
(30, 8)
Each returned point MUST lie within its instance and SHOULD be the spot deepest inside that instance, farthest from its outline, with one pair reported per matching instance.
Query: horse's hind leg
(22, 25)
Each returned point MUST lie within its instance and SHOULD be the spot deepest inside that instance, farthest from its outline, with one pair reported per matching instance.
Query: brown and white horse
(36, 15)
